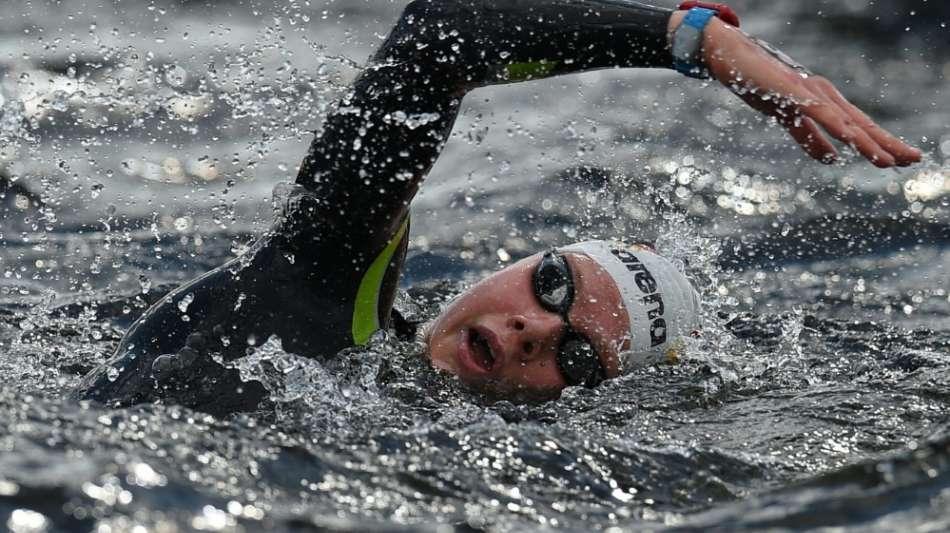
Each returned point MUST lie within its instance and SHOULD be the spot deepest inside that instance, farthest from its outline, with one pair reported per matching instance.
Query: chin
(437, 360)
(424, 336)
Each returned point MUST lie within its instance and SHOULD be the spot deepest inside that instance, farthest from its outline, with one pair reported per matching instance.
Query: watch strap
(688, 43)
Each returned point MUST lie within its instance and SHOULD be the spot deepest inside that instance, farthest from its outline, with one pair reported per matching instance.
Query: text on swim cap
(647, 284)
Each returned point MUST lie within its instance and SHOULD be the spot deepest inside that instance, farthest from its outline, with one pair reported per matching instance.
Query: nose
(534, 334)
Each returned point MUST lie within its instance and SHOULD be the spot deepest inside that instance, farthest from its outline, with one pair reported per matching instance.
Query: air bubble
(182, 224)
(145, 284)
(27, 520)
(175, 75)
(185, 302)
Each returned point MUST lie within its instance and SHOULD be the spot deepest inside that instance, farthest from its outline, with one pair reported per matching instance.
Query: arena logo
(653, 299)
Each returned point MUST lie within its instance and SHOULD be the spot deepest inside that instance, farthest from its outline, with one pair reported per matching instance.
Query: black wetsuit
(324, 277)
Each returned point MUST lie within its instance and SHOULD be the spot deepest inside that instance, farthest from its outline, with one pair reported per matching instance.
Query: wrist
(712, 44)
(688, 42)
(676, 18)
(695, 34)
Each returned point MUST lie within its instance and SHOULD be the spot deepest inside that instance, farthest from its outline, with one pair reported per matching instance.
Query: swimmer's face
(498, 338)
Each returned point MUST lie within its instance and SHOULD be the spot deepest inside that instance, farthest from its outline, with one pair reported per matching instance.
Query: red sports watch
(723, 12)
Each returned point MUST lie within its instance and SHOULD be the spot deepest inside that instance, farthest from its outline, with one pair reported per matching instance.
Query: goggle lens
(579, 363)
(554, 288)
(553, 285)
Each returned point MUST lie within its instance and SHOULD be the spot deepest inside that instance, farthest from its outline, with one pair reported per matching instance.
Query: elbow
(427, 9)
(424, 18)
(434, 38)
(408, 35)
(418, 29)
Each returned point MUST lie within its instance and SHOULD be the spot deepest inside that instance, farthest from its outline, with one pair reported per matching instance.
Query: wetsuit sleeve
(498, 41)
(375, 147)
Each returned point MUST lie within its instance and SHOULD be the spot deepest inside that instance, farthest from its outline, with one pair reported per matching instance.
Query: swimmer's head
(572, 316)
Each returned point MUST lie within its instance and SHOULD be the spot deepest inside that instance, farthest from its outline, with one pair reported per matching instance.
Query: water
(140, 143)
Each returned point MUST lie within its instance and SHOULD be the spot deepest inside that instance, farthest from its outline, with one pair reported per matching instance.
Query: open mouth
(481, 350)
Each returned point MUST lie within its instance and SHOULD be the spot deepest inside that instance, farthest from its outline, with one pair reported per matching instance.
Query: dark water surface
(139, 143)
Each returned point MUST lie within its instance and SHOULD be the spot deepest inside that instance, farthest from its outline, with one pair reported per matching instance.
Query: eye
(554, 296)
(579, 363)
(551, 284)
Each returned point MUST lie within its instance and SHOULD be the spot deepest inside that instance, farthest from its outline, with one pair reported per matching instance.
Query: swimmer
(323, 278)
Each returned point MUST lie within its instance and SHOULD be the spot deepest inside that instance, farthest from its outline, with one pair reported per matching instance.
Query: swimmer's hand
(802, 102)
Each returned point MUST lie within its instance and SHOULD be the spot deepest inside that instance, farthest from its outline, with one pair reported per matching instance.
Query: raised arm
(375, 148)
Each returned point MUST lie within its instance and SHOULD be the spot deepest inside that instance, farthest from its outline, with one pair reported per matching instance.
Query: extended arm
(375, 148)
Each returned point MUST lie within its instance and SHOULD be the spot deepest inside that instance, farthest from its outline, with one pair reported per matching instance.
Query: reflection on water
(139, 144)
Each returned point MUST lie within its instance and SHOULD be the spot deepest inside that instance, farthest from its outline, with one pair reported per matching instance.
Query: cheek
(441, 351)
(480, 300)
(504, 288)
(607, 320)
(455, 312)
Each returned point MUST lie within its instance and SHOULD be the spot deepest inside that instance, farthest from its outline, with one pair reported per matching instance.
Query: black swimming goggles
(553, 286)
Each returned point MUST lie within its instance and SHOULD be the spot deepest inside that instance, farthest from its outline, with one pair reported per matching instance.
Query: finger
(755, 101)
(873, 152)
(900, 149)
(839, 125)
(902, 152)
(803, 129)
(809, 136)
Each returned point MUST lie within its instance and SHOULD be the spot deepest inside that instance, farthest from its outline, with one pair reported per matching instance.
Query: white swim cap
(662, 305)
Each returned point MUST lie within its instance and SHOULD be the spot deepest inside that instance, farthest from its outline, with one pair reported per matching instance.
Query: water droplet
(185, 302)
(175, 75)
(8, 488)
(131, 167)
(27, 520)
(182, 224)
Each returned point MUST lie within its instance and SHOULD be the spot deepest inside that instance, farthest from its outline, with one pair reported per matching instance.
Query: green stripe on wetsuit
(366, 309)
(527, 71)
